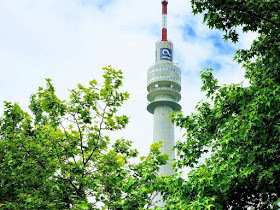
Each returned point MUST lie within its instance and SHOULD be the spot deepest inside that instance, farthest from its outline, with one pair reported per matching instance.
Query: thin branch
(65, 132)
(99, 105)
(100, 128)
(263, 18)
(69, 180)
(151, 199)
(254, 14)
(104, 164)
(81, 139)
(35, 159)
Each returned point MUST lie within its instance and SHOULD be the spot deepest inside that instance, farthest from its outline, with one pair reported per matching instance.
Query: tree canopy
(239, 127)
(60, 156)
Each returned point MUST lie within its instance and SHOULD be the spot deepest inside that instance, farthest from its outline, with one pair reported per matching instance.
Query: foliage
(240, 127)
(60, 156)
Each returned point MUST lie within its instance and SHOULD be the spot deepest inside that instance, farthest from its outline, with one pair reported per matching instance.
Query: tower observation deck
(164, 86)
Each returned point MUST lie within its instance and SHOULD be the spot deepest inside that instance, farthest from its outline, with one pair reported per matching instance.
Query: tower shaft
(164, 131)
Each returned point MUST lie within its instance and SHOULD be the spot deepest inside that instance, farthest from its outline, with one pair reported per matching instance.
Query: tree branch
(66, 134)
(252, 13)
(35, 159)
(100, 128)
(81, 138)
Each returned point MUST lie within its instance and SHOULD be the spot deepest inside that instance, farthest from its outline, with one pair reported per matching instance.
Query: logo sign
(165, 54)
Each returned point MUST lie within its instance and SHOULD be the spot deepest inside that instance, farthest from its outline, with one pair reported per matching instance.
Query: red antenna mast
(164, 20)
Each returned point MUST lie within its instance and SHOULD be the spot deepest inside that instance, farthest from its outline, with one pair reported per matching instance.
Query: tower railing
(163, 88)
(163, 69)
(165, 99)
(167, 78)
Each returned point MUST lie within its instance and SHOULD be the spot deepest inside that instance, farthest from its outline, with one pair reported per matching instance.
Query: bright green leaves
(116, 123)
(209, 82)
(143, 181)
(123, 147)
(13, 116)
(60, 158)
(45, 101)
(113, 81)
(161, 159)
(84, 101)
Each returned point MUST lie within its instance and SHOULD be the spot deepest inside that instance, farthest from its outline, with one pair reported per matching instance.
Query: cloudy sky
(70, 41)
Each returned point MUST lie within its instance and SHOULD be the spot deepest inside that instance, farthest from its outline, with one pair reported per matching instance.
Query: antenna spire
(164, 20)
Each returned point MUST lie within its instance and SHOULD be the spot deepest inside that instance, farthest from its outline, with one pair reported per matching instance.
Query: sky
(70, 41)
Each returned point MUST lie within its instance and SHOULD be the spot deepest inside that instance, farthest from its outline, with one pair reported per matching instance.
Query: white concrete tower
(164, 86)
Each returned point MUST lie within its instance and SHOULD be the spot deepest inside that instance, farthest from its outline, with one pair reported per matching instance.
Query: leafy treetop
(61, 156)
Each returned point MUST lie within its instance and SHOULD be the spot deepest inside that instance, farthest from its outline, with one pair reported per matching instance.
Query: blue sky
(70, 41)
(189, 31)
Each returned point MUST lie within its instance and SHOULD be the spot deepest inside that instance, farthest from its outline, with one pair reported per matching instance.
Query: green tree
(60, 155)
(239, 127)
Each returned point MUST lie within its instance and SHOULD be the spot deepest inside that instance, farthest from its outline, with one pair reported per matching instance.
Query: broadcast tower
(164, 86)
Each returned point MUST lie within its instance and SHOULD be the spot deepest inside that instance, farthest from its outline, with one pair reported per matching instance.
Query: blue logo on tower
(165, 54)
